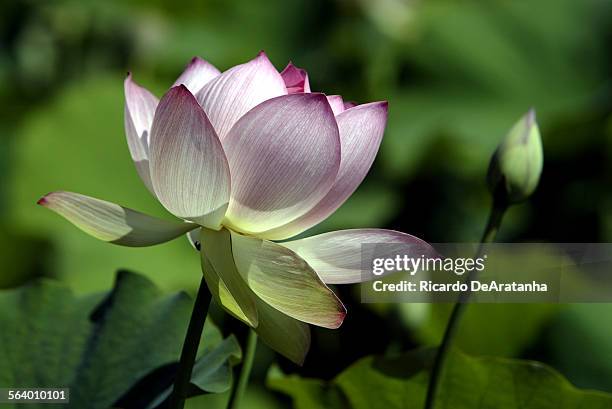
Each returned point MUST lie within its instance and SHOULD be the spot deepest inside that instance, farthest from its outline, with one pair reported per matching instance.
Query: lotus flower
(244, 158)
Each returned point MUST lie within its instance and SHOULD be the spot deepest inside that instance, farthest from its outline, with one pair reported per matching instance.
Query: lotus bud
(516, 165)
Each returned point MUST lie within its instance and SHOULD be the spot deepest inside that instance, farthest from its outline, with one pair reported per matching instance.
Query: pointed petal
(361, 130)
(140, 107)
(198, 73)
(296, 79)
(284, 281)
(225, 283)
(284, 156)
(336, 103)
(113, 223)
(337, 256)
(232, 94)
(189, 170)
(285, 335)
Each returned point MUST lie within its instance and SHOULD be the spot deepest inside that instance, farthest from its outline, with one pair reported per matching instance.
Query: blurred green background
(457, 74)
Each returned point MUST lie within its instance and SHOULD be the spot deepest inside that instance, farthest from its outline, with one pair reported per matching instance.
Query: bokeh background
(457, 74)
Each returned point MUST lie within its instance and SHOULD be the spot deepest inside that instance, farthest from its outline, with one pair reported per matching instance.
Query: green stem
(495, 218)
(245, 371)
(190, 347)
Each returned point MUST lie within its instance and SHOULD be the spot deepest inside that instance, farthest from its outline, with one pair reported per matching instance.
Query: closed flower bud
(515, 168)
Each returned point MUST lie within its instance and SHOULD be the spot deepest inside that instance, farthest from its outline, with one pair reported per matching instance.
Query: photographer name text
(458, 286)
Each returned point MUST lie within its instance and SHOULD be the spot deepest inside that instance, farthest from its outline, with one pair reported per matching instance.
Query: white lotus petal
(232, 94)
(337, 256)
(284, 281)
(189, 170)
(140, 107)
(113, 223)
(361, 130)
(198, 73)
(284, 156)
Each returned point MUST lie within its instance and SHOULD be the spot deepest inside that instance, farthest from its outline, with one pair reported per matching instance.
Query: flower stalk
(514, 174)
(490, 232)
(245, 371)
(190, 347)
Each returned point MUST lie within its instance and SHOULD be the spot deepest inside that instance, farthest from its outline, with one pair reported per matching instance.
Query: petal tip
(295, 78)
(196, 60)
(47, 199)
(383, 105)
(340, 318)
(129, 80)
(290, 67)
(340, 315)
(531, 116)
(262, 58)
(179, 91)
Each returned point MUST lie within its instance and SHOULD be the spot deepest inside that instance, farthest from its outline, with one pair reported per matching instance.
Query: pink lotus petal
(336, 103)
(284, 156)
(140, 107)
(189, 170)
(337, 256)
(361, 130)
(198, 73)
(232, 94)
(296, 79)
